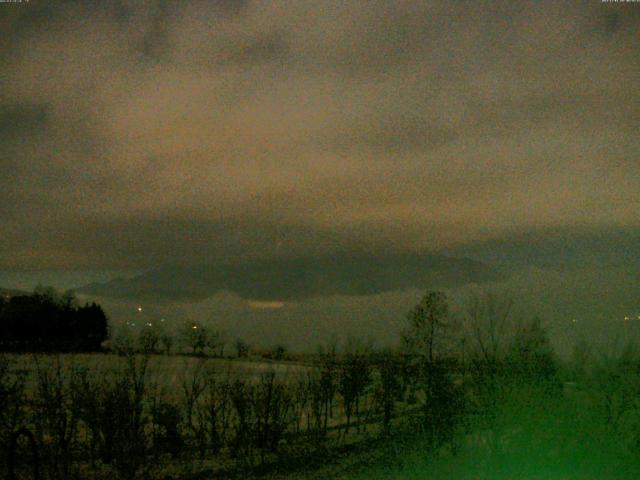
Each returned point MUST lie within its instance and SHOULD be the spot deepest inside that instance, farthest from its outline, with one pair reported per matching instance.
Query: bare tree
(389, 386)
(57, 417)
(193, 390)
(272, 401)
(215, 341)
(166, 339)
(322, 381)
(531, 358)
(111, 406)
(242, 348)
(428, 343)
(502, 343)
(490, 329)
(194, 336)
(354, 375)
(428, 327)
(12, 390)
(218, 409)
(148, 339)
(123, 342)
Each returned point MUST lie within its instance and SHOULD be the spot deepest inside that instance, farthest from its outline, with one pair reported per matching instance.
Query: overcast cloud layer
(137, 134)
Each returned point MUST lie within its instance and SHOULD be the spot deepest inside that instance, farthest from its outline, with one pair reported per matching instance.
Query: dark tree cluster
(45, 321)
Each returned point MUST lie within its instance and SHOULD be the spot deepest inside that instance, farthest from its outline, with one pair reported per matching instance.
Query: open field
(166, 371)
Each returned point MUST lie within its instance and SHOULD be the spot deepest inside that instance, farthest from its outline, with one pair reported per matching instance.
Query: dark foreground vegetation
(48, 321)
(482, 396)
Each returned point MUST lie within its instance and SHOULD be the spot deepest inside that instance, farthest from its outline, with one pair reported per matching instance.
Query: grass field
(168, 371)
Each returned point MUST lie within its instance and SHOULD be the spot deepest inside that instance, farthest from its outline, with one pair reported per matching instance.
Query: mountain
(559, 249)
(298, 279)
(11, 292)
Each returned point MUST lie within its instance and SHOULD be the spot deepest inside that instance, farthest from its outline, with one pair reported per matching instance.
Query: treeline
(191, 338)
(48, 321)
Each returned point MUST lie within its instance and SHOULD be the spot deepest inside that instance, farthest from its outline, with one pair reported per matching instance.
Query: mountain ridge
(301, 278)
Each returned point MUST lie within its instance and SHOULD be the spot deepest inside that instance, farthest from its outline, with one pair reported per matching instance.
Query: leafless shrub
(193, 388)
(322, 385)
(242, 348)
(272, 406)
(112, 409)
(218, 410)
(354, 376)
(148, 339)
(388, 388)
(242, 446)
(166, 340)
(300, 402)
(11, 404)
(56, 416)
(166, 437)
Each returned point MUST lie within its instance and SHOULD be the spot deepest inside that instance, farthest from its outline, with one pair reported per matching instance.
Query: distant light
(148, 324)
(626, 318)
(139, 309)
(195, 327)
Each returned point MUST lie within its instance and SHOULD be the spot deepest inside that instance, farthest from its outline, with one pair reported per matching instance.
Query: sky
(140, 135)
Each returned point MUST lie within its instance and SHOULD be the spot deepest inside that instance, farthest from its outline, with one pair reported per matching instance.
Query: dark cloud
(19, 120)
(173, 133)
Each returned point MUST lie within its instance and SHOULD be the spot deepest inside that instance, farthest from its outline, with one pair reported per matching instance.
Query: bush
(57, 416)
(112, 409)
(11, 404)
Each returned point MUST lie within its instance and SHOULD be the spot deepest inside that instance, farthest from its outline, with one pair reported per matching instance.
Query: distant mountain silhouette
(298, 279)
(11, 292)
(559, 249)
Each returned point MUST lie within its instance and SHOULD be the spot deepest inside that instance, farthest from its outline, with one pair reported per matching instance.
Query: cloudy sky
(136, 135)
(143, 133)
